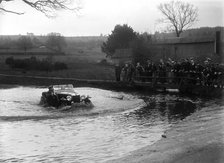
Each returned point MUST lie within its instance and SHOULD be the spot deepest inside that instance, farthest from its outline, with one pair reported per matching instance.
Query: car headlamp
(69, 98)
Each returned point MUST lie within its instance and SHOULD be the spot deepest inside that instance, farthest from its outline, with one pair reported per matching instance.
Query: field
(82, 56)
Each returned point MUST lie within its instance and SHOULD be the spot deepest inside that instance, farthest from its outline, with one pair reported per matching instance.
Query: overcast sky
(100, 16)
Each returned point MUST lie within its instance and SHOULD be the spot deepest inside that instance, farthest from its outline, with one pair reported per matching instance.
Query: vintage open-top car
(64, 95)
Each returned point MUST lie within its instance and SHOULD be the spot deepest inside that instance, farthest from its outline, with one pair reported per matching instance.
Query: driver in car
(52, 98)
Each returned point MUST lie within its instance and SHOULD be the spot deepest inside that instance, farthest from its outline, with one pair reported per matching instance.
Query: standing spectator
(126, 72)
(122, 76)
(169, 65)
(176, 71)
(162, 71)
(149, 70)
(117, 72)
(130, 72)
(139, 70)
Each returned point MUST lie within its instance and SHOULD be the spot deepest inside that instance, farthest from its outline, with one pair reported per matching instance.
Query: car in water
(64, 95)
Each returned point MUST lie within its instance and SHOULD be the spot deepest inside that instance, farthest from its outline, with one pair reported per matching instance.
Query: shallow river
(117, 124)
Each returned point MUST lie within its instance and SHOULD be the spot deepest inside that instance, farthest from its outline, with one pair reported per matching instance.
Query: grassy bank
(82, 66)
(82, 57)
(25, 80)
(197, 139)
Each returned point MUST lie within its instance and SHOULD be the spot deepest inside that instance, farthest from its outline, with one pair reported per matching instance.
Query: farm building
(181, 47)
(199, 47)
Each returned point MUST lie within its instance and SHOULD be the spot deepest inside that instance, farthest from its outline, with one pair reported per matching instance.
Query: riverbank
(86, 66)
(43, 81)
(199, 138)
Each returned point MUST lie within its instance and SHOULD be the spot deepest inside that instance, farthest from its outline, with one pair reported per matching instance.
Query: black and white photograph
(111, 81)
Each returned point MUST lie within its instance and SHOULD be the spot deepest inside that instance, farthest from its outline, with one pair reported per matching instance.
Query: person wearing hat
(148, 70)
(50, 90)
(52, 98)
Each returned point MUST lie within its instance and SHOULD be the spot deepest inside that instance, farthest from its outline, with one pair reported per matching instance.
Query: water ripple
(118, 124)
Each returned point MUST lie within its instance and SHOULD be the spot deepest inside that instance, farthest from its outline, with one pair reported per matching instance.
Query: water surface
(117, 124)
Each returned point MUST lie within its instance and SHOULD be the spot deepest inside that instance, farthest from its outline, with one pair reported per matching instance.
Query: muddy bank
(46, 81)
(41, 81)
(27, 80)
(198, 138)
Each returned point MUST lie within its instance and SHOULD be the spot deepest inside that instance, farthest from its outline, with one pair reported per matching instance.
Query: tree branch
(179, 14)
(13, 12)
(47, 7)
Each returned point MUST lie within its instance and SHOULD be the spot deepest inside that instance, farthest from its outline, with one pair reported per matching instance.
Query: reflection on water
(167, 110)
(119, 123)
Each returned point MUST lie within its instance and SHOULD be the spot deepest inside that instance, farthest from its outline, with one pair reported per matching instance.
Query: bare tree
(47, 7)
(178, 15)
(55, 41)
(25, 43)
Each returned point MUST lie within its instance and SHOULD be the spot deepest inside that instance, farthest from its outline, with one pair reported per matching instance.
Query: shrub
(44, 65)
(60, 66)
(103, 62)
(34, 64)
(9, 61)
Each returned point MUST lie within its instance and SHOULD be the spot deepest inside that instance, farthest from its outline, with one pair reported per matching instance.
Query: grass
(81, 65)
(82, 58)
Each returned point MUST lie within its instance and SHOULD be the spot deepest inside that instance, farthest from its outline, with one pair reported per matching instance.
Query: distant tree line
(33, 63)
(54, 42)
(25, 43)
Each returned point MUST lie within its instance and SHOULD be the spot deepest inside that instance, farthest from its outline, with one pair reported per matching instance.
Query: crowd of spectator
(206, 73)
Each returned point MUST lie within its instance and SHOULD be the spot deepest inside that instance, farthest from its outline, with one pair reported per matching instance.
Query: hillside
(86, 46)
(82, 55)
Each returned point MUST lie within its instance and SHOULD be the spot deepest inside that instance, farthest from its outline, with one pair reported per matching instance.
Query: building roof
(184, 40)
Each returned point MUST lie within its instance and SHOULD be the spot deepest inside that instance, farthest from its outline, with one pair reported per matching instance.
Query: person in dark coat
(162, 71)
(117, 72)
(52, 98)
(139, 70)
(130, 72)
(149, 70)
